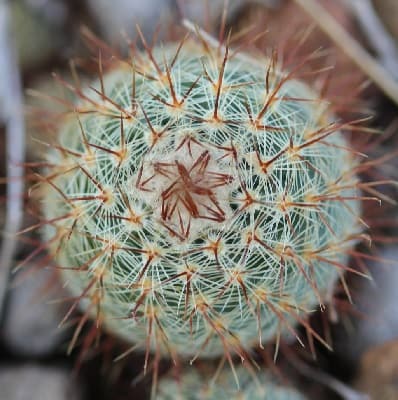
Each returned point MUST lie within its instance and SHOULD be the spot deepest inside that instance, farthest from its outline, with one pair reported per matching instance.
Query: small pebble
(33, 382)
(31, 322)
(377, 300)
(117, 16)
(378, 372)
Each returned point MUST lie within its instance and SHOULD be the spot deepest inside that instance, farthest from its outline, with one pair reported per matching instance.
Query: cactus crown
(195, 385)
(200, 202)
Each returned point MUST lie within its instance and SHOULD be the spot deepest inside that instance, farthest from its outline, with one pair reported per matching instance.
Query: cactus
(200, 202)
(195, 385)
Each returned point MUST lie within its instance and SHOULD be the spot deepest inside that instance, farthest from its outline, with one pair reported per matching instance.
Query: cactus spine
(199, 203)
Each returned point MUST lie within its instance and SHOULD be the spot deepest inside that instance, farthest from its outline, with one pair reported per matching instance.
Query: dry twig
(378, 37)
(351, 47)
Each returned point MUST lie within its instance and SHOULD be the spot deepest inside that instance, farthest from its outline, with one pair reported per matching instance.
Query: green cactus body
(194, 385)
(200, 203)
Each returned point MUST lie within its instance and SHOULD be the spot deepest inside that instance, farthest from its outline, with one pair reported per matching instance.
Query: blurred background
(39, 37)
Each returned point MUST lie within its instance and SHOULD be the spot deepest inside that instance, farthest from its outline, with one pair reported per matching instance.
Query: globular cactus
(195, 385)
(200, 202)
